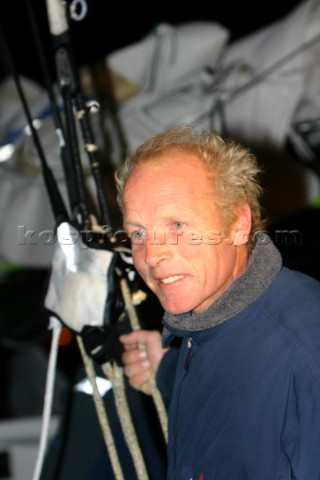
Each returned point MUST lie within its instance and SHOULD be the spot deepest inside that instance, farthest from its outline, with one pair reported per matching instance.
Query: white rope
(156, 395)
(115, 374)
(100, 409)
(47, 409)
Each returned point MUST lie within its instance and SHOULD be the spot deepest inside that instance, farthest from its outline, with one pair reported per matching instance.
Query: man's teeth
(171, 279)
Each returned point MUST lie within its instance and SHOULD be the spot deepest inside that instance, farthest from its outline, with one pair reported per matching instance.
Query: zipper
(174, 432)
(187, 360)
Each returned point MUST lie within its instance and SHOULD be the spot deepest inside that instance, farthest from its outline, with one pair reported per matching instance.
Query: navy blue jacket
(246, 396)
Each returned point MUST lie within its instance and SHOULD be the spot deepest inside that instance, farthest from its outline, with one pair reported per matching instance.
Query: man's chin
(175, 309)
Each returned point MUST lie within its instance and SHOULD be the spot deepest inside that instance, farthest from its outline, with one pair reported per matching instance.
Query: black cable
(68, 167)
(71, 91)
(56, 200)
(80, 209)
(91, 148)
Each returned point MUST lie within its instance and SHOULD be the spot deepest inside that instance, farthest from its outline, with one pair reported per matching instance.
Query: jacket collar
(264, 264)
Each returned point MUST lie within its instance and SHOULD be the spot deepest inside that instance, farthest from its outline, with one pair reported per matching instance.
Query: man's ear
(242, 225)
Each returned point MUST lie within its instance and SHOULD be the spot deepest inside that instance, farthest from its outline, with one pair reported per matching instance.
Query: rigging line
(116, 376)
(91, 149)
(219, 105)
(134, 321)
(104, 89)
(81, 209)
(56, 200)
(67, 74)
(102, 415)
(68, 83)
(67, 164)
(48, 398)
(265, 73)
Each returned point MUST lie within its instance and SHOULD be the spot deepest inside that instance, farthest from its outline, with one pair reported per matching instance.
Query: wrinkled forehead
(177, 184)
(174, 164)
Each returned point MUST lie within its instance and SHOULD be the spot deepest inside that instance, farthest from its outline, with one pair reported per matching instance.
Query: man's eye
(137, 236)
(179, 224)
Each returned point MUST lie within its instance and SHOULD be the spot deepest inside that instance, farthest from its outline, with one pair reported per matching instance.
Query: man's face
(177, 238)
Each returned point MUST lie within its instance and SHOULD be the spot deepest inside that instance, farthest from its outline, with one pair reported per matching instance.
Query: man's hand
(141, 357)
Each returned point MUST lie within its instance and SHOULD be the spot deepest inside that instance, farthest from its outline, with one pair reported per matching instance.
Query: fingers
(138, 336)
(133, 355)
(148, 341)
(141, 356)
(137, 368)
(137, 373)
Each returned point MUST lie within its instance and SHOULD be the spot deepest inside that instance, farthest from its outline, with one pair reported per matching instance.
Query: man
(244, 384)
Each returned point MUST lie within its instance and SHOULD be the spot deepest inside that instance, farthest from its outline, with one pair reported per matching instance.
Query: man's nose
(157, 249)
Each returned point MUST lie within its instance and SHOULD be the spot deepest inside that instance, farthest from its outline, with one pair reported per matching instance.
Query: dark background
(109, 26)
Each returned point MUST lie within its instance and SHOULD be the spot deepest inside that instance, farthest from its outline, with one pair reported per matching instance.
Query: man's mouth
(171, 279)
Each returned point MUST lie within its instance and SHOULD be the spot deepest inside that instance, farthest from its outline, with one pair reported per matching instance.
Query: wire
(48, 398)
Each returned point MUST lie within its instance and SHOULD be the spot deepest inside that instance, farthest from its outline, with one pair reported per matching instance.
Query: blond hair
(232, 167)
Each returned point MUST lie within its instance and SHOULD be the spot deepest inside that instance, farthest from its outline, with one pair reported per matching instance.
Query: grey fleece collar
(264, 264)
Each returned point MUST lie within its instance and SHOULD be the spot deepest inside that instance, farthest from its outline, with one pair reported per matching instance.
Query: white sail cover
(254, 89)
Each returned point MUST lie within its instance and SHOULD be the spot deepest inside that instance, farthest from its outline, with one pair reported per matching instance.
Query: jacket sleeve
(301, 433)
